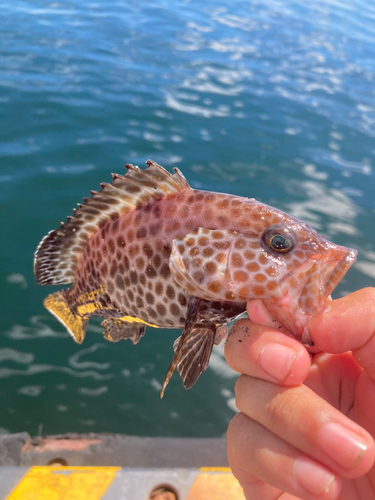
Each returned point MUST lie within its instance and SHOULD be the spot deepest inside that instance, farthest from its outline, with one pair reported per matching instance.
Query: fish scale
(148, 250)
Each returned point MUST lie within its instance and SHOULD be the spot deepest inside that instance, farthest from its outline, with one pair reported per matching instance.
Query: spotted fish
(148, 250)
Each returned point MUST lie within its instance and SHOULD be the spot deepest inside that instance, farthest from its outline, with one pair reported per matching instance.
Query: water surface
(272, 100)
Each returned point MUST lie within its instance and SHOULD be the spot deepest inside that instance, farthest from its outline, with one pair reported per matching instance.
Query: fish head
(309, 269)
(288, 265)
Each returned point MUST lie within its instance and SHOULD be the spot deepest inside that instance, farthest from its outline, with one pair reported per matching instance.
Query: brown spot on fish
(240, 276)
(271, 271)
(148, 250)
(119, 282)
(260, 278)
(221, 245)
(155, 229)
(142, 232)
(149, 298)
(235, 212)
(159, 288)
(298, 254)
(263, 259)
(194, 251)
(172, 227)
(170, 292)
(222, 204)
(113, 269)
(134, 277)
(161, 309)
(214, 287)
(151, 271)
(182, 299)
(272, 285)
(239, 244)
(153, 314)
(249, 255)
(237, 260)
(197, 262)
(210, 267)
(244, 292)
(104, 269)
(126, 263)
(207, 252)
(253, 267)
(203, 240)
(198, 276)
(140, 263)
(165, 271)
(174, 309)
(156, 260)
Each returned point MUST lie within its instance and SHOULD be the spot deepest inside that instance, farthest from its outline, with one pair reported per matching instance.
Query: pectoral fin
(195, 354)
(191, 319)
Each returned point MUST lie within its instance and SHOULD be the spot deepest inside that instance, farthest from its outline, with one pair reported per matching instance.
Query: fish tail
(58, 305)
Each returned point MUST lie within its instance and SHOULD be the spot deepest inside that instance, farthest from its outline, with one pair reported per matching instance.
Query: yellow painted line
(215, 469)
(64, 483)
(215, 483)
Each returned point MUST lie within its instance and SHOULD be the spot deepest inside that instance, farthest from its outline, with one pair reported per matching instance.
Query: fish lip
(341, 267)
(332, 267)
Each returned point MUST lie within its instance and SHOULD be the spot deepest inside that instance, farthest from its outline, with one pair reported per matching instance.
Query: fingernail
(311, 476)
(342, 445)
(277, 360)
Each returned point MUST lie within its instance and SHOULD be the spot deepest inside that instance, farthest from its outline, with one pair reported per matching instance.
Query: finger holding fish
(326, 423)
(348, 325)
(266, 353)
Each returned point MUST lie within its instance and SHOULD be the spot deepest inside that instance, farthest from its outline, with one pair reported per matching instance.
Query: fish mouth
(333, 269)
(306, 290)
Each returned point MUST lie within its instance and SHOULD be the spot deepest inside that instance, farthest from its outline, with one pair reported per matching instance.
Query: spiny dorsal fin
(57, 254)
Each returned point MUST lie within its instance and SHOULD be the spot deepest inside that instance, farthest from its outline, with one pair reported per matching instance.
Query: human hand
(306, 421)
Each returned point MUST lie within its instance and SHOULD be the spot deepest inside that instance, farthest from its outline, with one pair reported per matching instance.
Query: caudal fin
(59, 307)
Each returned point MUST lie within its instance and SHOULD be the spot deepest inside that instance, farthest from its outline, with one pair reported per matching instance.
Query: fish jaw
(306, 290)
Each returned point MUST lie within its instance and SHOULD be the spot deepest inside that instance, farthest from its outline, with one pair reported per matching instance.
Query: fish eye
(279, 239)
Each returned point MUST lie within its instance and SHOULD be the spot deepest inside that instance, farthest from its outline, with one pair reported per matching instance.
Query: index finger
(265, 353)
(348, 325)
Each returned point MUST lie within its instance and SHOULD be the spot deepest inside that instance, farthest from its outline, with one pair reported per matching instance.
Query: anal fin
(116, 330)
(73, 322)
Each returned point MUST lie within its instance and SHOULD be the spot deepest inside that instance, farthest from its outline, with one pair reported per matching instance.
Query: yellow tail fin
(59, 307)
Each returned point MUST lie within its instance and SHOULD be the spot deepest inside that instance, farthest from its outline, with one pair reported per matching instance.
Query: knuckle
(279, 406)
(237, 430)
(243, 390)
(369, 297)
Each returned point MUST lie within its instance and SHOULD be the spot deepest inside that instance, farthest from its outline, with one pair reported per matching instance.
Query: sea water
(267, 99)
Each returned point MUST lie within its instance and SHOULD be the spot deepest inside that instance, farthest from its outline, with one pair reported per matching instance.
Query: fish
(147, 250)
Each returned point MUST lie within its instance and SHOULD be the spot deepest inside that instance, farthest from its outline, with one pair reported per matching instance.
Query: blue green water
(273, 100)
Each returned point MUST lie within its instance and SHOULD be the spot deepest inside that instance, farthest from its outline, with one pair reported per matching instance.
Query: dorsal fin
(57, 254)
